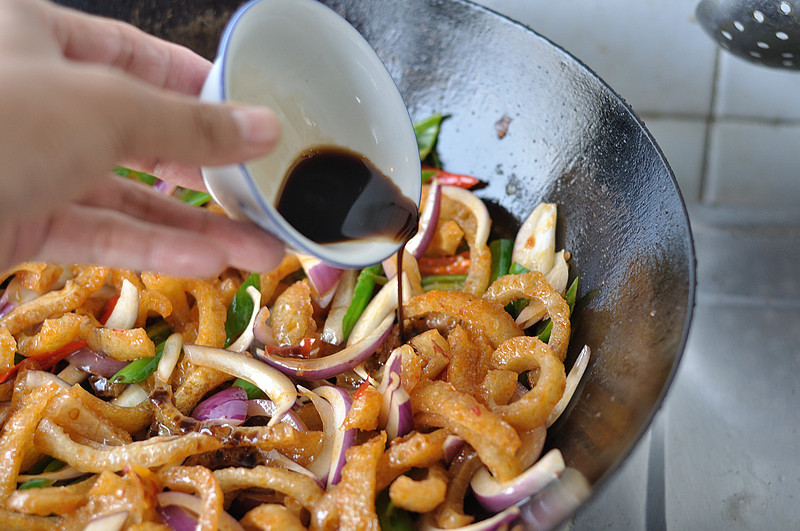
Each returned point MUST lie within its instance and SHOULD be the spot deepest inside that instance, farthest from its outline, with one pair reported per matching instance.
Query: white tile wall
(730, 129)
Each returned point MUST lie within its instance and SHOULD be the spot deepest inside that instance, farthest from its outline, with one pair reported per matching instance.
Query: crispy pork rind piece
(469, 360)
(489, 317)
(438, 404)
(133, 493)
(199, 480)
(422, 495)
(45, 501)
(83, 424)
(292, 316)
(546, 376)
(8, 347)
(271, 517)
(14, 521)
(466, 209)
(53, 334)
(271, 281)
(415, 450)
(533, 285)
(36, 276)
(350, 504)
(51, 439)
(302, 488)
(172, 288)
(88, 281)
(211, 315)
(129, 419)
(446, 239)
(365, 409)
(18, 433)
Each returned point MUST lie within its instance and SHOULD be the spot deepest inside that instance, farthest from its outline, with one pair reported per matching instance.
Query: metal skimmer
(763, 31)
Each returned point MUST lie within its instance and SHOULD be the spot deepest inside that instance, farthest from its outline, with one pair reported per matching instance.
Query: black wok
(571, 140)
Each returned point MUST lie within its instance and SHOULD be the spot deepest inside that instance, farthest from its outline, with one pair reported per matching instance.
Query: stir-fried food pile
(293, 398)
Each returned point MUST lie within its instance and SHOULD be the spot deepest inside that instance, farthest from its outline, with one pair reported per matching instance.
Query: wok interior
(570, 140)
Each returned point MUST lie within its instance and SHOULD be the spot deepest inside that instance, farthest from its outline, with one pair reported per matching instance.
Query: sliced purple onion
(332, 404)
(395, 415)
(330, 366)
(498, 521)
(332, 332)
(164, 187)
(90, 361)
(341, 401)
(323, 277)
(177, 517)
(383, 304)
(427, 221)
(5, 305)
(494, 495)
(190, 505)
(228, 406)
(451, 446)
(108, 522)
(126, 310)
(277, 386)
(263, 407)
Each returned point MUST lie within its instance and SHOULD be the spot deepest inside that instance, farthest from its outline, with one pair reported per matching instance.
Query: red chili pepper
(475, 410)
(361, 390)
(304, 349)
(108, 309)
(457, 264)
(454, 179)
(44, 361)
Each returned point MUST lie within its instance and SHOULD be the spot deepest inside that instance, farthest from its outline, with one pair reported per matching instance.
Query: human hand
(81, 94)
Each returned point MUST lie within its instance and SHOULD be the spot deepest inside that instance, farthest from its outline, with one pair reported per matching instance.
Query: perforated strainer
(766, 32)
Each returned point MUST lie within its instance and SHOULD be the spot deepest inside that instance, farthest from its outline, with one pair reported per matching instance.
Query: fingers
(247, 246)
(88, 38)
(85, 234)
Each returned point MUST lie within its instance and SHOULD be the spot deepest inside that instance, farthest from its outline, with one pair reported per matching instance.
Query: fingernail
(257, 125)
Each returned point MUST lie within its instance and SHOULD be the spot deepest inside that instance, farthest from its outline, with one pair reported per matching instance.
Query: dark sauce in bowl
(332, 194)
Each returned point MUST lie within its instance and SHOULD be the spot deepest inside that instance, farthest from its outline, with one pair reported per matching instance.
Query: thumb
(151, 124)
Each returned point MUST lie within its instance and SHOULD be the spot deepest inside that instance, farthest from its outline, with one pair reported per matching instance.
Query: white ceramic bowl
(328, 87)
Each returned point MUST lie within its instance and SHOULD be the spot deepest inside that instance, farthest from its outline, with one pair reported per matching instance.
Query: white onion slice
(169, 356)
(244, 340)
(535, 244)
(195, 505)
(132, 396)
(558, 275)
(63, 473)
(451, 446)
(108, 522)
(573, 379)
(329, 366)
(275, 384)
(281, 460)
(332, 411)
(494, 495)
(383, 304)
(262, 330)
(340, 401)
(73, 374)
(501, 520)
(332, 331)
(126, 310)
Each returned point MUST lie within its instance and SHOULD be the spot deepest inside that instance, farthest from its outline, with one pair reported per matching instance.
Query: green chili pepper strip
(36, 484)
(252, 390)
(139, 370)
(427, 131)
(146, 178)
(443, 282)
(569, 296)
(159, 331)
(240, 310)
(501, 257)
(362, 294)
(194, 197)
(391, 517)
